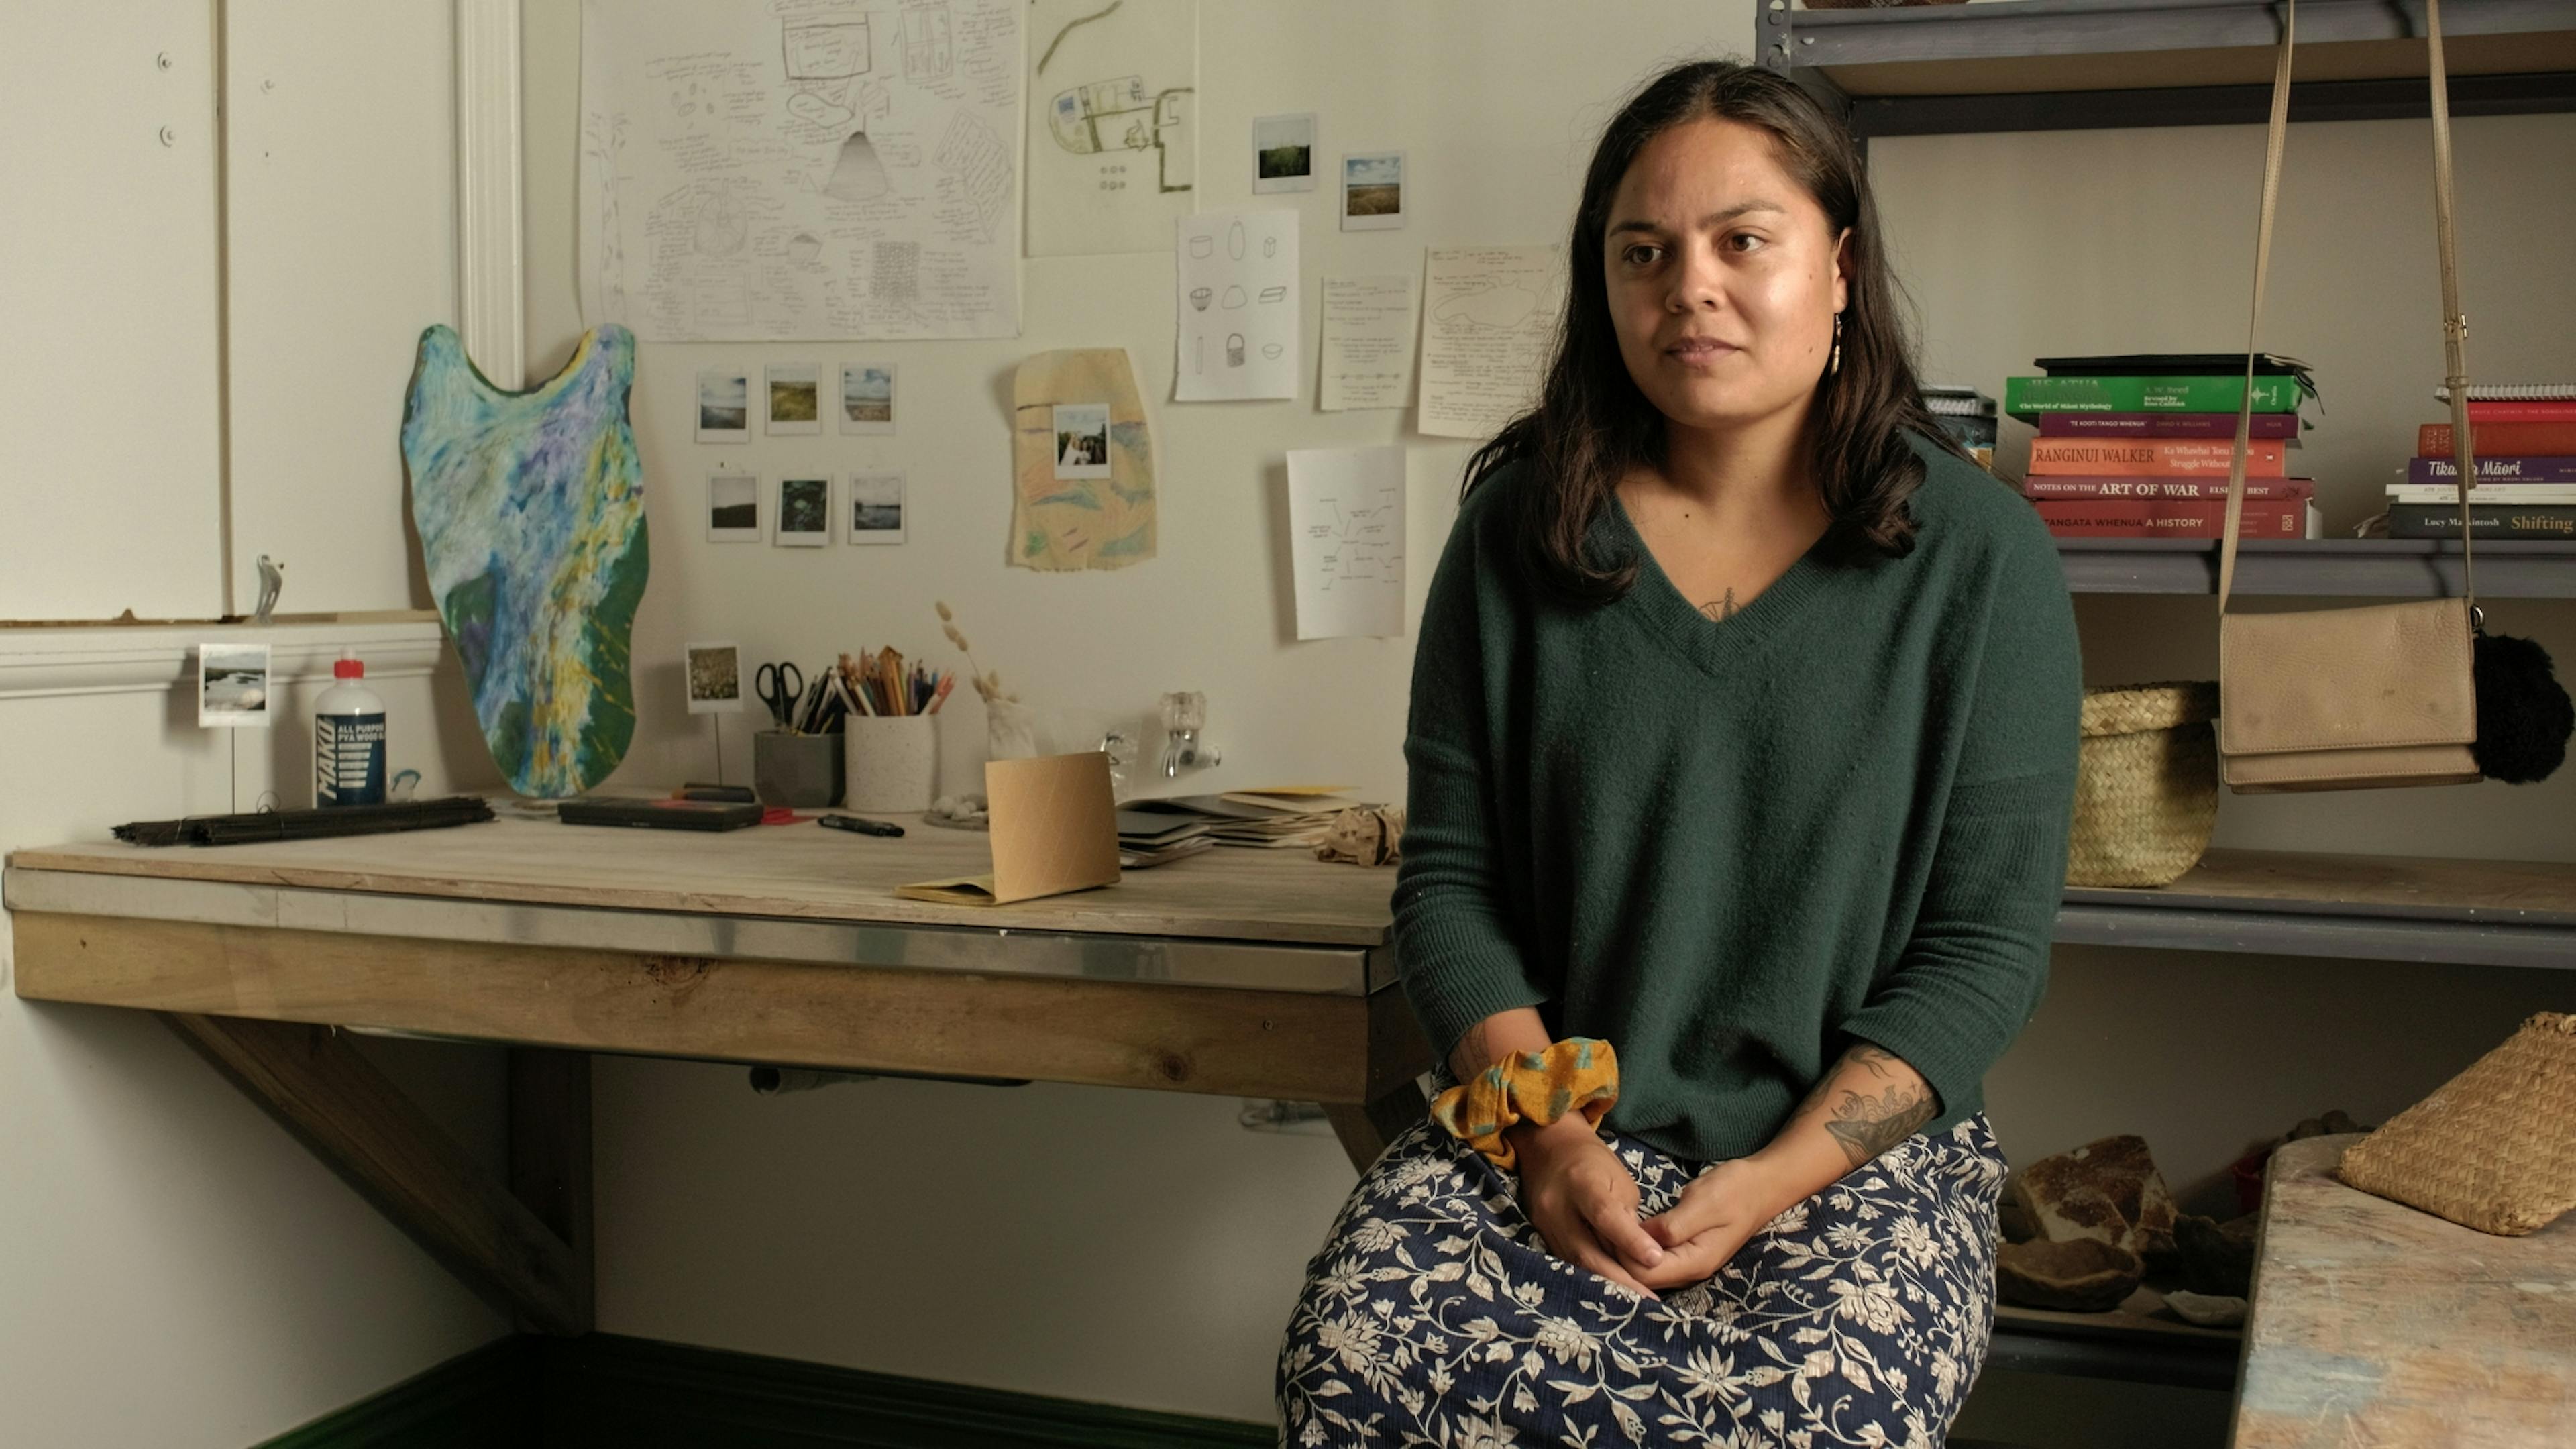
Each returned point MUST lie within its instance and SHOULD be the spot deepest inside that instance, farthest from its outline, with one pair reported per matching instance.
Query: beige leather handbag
(2344, 699)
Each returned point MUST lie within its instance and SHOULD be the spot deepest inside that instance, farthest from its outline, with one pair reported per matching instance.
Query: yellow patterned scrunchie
(1579, 1073)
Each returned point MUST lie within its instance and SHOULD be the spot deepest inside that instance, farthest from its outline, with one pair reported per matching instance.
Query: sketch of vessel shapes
(1234, 241)
(1269, 248)
(1199, 298)
(1233, 298)
(1272, 350)
(1274, 294)
(1202, 246)
(832, 48)
(927, 51)
(1234, 350)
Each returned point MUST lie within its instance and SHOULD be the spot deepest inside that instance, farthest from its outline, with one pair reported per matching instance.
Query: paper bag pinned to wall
(1054, 829)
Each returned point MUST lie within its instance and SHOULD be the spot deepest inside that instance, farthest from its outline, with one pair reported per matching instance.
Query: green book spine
(2024, 396)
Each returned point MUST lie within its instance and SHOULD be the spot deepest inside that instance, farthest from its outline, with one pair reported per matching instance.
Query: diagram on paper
(1113, 144)
(1346, 521)
(775, 170)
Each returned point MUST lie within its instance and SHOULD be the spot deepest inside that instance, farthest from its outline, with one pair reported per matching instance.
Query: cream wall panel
(112, 495)
(341, 230)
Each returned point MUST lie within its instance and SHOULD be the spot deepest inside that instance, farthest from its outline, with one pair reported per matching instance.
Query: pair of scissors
(781, 686)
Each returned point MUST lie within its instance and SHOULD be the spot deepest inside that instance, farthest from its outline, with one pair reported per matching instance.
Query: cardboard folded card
(1053, 828)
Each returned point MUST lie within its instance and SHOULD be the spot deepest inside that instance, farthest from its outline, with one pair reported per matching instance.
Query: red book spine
(2074, 486)
(2165, 518)
(2538, 411)
(2433, 440)
(2157, 457)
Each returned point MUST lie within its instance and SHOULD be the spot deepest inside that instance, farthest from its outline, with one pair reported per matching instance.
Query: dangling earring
(1835, 363)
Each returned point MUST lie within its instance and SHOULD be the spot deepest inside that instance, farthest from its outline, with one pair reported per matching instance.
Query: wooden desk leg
(1366, 1128)
(321, 1090)
(550, 1156)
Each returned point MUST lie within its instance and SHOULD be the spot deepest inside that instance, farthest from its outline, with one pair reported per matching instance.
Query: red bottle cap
(347, 668)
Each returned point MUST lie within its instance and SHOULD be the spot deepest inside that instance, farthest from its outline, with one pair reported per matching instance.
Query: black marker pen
(860, 824)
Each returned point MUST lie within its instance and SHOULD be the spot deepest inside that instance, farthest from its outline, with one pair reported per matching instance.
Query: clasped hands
(1583, 1200)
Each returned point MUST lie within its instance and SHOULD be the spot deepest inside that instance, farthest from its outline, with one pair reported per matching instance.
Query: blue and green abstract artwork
(530, 507)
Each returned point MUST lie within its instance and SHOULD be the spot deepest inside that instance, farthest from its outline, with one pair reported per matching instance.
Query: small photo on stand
(724, 405)
(714, 676)
(804, 511)
(1373, 191)
(733, 508)
(1082, 440)
(867, 398)
(795, 400)
(232, 685)
(876, 508)
(1283, 153)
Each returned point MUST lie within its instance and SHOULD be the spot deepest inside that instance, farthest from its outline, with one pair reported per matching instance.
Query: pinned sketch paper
(1488, 314)
(1113, 123)
(753, 171)
(1237, 311)
(1346, 531)
(1070, 510)
(1054, 829)
(1367, 343)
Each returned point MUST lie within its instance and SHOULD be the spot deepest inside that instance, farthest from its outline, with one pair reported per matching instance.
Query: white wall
(174, 1269)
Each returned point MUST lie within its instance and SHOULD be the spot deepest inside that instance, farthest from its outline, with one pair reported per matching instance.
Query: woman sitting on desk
(1742, 752)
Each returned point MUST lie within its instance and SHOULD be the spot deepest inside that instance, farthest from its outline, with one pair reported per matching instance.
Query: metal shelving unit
(2030, 65)
(2347, 567)
(2049, 65)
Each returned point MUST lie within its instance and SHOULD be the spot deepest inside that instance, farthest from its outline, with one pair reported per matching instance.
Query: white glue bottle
(348, 739)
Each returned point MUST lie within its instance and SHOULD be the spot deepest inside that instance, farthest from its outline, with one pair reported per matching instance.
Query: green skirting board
(531, 1392)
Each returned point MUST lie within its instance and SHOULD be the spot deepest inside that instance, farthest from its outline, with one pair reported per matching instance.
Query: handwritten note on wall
(1488, 314)
(1346, 521)
(1367, 343)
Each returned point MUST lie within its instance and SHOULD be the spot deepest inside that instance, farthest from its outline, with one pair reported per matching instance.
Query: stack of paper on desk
(1270, 818)
(1151, 837)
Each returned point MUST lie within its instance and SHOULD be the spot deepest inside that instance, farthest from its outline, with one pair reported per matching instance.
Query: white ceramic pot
(893, 763)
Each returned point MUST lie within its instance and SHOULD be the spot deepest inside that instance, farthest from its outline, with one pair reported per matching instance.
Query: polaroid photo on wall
(876, 508)
(713, 673)
(724, 405)
(733, 508)
(795, 400)
(1283, 153)
(804, 510)
(1372, 191)
(1082, 440)
(867, 397)
(232, 686)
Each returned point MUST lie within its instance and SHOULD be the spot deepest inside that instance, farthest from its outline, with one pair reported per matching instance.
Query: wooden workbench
(1257, 973)
(2375, 1324)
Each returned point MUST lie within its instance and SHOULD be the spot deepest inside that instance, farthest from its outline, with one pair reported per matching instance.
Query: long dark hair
(1592, 425)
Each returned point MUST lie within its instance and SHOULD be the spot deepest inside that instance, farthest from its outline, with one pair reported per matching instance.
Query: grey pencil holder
(797, 771)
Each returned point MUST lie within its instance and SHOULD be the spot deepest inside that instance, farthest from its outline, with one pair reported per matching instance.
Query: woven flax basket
(2494, 1148)
(2146, 783)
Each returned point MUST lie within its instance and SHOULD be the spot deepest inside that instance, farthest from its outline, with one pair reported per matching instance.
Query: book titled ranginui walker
(2285, 426)
(2179, 518)
(2079, 485)
(2152, 457)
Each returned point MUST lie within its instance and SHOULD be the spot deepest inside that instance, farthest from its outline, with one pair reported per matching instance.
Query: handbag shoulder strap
(2455, 327)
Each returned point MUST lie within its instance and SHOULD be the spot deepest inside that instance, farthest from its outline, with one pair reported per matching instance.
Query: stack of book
(2137, 446)
(1967, 415)
(2524, 435)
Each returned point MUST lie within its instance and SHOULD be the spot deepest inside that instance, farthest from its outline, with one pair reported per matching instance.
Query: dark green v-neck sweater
(1733, 848)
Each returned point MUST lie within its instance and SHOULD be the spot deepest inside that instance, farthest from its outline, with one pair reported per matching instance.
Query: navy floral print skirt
(1435, 1315)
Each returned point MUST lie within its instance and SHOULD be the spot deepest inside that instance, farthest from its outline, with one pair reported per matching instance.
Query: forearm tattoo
(1866, 1124)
